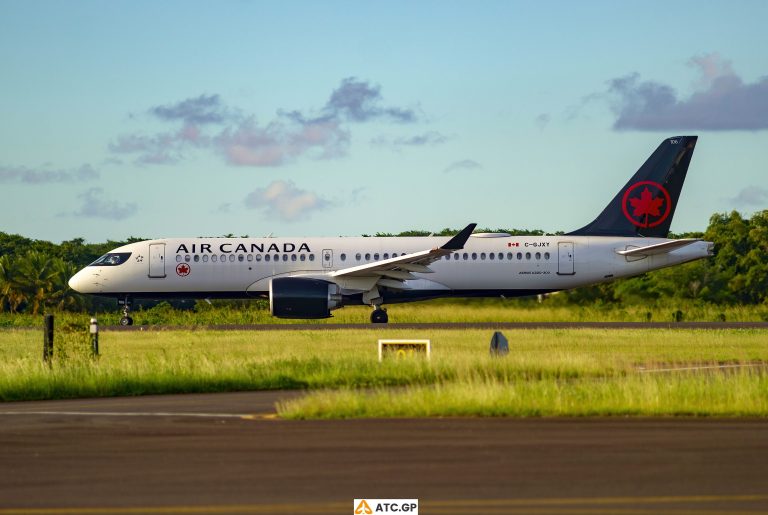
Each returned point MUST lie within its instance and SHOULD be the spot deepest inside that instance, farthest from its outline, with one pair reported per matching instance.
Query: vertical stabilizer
(646, 204)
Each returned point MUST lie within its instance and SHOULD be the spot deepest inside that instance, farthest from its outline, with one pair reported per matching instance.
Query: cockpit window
(112, 259)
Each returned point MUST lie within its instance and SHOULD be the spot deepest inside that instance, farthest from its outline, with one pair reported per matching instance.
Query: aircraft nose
(74, 282)
(78, 282)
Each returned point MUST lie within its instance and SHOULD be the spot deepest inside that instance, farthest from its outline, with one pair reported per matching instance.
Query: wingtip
(458, 241)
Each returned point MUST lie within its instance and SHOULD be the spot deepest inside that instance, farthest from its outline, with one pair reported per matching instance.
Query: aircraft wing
(393, 271)
(659, 248)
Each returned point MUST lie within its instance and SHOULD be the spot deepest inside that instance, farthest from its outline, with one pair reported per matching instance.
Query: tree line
(34, 273)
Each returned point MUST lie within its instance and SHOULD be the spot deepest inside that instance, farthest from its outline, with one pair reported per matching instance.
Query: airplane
(308, 278)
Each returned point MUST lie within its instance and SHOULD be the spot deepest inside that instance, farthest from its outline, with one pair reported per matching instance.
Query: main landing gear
(379, 316)
(126, 318)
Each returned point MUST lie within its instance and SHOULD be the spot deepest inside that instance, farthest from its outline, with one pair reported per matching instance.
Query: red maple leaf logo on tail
(646, 204)
(647, 210)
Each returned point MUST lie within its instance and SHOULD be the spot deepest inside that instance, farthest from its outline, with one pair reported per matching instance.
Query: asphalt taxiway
(227, 453)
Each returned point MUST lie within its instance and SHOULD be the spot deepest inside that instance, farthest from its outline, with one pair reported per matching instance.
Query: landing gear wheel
(379, 316)
(126, 303)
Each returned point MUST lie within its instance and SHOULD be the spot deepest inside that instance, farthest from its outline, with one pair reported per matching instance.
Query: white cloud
(94, 205)
(44, 175)
(752, 196)
(284, 200)
(722, 102)
(463, 165)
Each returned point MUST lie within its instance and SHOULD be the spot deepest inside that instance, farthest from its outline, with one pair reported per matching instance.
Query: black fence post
(48, 339)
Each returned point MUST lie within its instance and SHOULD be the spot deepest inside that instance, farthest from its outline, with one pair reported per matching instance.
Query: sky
(182, 118)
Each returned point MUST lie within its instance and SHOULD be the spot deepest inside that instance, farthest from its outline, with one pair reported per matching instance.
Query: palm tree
(38, 277)
(12, 292)
(62, 296)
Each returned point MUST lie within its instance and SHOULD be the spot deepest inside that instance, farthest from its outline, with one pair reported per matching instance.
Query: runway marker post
(48, 339)
(94, 330)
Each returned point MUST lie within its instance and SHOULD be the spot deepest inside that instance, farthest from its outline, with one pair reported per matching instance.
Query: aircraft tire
(126, 321)
(379, 316)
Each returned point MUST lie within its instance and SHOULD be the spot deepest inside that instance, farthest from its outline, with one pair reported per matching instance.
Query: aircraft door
(327, 258)
(565, 258)
(157, 260)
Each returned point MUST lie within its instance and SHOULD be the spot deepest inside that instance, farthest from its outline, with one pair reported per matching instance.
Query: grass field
(442, 310)
(548, 372)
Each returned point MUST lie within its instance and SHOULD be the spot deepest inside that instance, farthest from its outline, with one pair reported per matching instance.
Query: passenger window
(241, 257)
(285, 257)
(231, 258)
(358, 256)
(527, 255)
(258, 257)
(501, 256)
(205, 258)
(367, 257)
(492, 255)
(455, 256)
(223, 258)
(465, 256)
(519, 255)
(343, 257)
(293, 257)
(386, 256)
(196, 258)
(178, 258)
(376, 257)
(187, 258)
(311, 257)
(546, 255)
(474, 256)
(538, 255)
(303, 257)
(482, 255)
(214, 258)
(249, 257)
(510, 256)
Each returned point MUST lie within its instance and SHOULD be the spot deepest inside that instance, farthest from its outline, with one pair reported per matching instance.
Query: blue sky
(159, 119)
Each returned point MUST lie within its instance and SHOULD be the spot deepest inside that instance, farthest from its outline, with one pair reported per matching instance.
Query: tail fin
(646, 204)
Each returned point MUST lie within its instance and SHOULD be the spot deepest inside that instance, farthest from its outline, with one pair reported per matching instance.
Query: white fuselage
(488, 265)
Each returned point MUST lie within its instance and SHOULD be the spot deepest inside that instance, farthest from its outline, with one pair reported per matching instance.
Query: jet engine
(297, 297)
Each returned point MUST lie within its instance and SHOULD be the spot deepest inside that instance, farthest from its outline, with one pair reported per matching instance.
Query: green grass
(742, 393)
(547, 373)
(442, 310)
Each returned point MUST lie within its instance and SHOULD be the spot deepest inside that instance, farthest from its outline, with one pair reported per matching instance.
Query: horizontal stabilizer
(659, 248)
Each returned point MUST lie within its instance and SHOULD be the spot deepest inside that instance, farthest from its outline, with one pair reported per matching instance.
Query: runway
(226, 453)
(457, 325)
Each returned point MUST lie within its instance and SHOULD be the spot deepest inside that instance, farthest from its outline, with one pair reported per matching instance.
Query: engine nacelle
(297, 297)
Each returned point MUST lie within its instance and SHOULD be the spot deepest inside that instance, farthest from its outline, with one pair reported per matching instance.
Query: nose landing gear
(126, 318)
